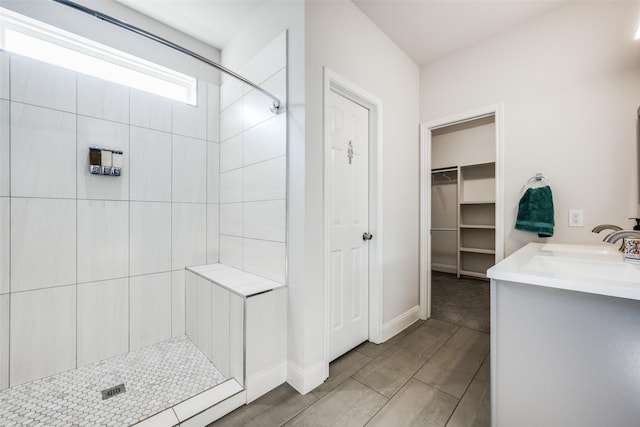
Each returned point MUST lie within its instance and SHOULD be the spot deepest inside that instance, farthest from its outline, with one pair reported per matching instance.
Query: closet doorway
(462, 226)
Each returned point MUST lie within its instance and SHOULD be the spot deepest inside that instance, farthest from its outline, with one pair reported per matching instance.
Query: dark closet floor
(463, 301)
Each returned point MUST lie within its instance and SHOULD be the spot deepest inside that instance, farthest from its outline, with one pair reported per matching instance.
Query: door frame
(333, 82)
(497, 110)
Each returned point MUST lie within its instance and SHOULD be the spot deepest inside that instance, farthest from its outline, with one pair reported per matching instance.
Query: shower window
(28, 37)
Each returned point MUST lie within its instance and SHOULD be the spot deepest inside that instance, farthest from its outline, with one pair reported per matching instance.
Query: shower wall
(253, 166)
(93, 266)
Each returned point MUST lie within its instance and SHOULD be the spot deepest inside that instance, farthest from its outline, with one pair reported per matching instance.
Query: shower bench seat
(239, 321)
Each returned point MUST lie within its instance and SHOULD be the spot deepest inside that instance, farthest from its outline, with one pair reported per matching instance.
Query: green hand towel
(535, 211)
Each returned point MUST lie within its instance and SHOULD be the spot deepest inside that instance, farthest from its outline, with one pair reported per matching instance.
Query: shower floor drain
(113, 391)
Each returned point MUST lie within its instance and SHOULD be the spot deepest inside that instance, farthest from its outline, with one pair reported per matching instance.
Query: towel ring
(538, 178)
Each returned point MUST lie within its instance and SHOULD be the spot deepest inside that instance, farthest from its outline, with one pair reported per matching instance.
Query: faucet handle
(637, 226)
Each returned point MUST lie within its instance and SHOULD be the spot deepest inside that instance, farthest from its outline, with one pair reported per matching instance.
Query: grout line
(129, 242)
(8, 355)
(76, 197)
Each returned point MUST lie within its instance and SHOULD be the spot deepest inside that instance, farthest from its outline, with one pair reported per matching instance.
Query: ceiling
(428, 29)
(211, 21)
(424, 29)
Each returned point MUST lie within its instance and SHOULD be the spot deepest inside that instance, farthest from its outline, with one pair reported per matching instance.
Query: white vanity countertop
(237, 281)
(597, 269)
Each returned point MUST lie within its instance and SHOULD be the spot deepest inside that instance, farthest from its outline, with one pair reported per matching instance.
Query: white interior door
(348, 224)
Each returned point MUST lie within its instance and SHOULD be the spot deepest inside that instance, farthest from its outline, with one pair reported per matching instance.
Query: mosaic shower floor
(155, 378)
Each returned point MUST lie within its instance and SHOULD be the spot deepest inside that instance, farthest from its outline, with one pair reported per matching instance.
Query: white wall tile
(149, 237)
(5, 249)
(102, 134)
(43, 243)
(231, 121)
(103, 320)
(213, 172)
(5, 67)
(231, 219)
(266, 331)
(149, 111)
(277, 85)
(103, 240)
(190, 302)
(189, 120)
(204, 316)
(213, 112)
(220, 329)
(231, 249)
(231, 153)
(189, 235)
(4, 341)
(5, 153)
(266, 141)
(43, 333)
(231, 90)
(265, 220)
(231, 186)
(43, 152)
(189, 170)
(178, 304)
(213, 240)
(266, 259)
(271, 59)
(102, 99)
(266, 180)
(256, 109)
(150, 165)
(256, 104)
(37, 83)
(150, 315)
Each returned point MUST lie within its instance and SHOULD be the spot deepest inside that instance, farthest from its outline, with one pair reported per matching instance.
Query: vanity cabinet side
(563, 358)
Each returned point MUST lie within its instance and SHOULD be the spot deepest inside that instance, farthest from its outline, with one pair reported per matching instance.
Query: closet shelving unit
(476, 219)
(444, 221)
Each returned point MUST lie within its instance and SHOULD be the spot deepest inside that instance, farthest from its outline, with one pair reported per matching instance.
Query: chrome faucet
(615, 228)
(599, 228)
(621, 234)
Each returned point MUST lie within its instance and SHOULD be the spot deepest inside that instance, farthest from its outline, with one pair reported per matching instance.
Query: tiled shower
(92, 266)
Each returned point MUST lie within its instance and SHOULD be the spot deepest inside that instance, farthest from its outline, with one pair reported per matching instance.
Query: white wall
(340, 37)
(93, 266)
(569, 83)
(464, 144)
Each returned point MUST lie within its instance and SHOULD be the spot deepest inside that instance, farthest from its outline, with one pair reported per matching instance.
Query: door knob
(367, 236)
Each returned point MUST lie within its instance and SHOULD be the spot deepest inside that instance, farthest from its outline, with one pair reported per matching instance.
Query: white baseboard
(400, 323)
(265, 381)
(444, 268)
(305, 380)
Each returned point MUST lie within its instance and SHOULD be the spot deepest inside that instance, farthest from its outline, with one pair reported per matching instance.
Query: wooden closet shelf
(478, 250)
(478, 226)
(479, 202)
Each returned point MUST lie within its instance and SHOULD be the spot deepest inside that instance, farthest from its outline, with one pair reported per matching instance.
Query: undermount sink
(568, 249)
(587, 269)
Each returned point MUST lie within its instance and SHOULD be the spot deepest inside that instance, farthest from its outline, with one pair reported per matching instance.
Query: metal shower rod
(275, 105)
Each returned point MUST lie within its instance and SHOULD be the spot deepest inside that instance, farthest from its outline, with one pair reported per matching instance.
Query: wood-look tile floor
(432, 374)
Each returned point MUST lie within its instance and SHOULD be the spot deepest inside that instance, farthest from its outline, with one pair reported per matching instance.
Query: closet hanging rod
(447, 169)
(275, 105)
